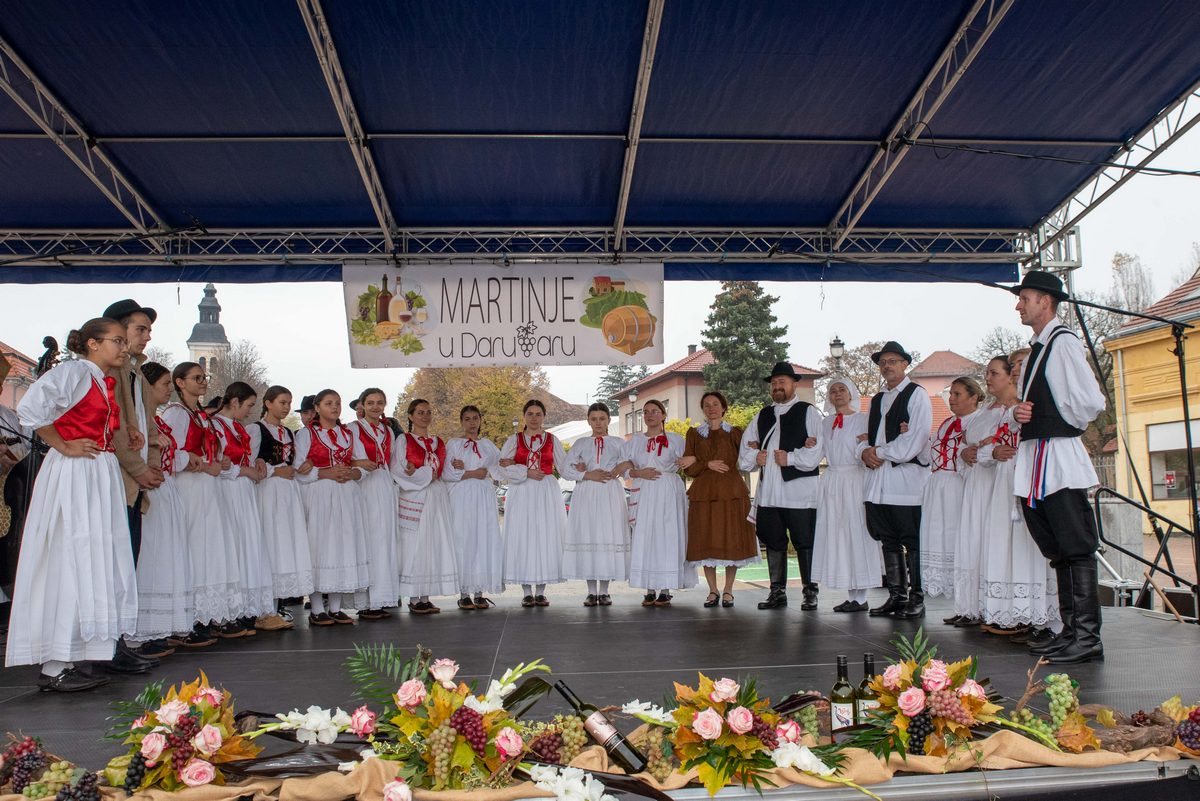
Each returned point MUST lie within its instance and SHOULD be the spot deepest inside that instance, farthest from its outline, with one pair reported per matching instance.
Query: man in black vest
(1059, 396)
(897, 437)
(782, 442)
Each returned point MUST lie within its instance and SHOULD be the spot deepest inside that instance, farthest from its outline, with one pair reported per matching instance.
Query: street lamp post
(837, 349)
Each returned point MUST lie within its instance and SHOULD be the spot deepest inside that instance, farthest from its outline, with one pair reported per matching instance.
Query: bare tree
(1133, 285)
(244, 363)
(856, 365)
(1000, 341)
(161, 355)
(1187, 271)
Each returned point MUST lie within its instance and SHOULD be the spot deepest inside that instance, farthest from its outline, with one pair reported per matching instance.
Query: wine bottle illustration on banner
(604, 732)
(841, 698)
(381, 303)
(865, 699)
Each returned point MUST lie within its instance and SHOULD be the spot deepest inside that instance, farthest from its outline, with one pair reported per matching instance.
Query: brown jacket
(129, 458)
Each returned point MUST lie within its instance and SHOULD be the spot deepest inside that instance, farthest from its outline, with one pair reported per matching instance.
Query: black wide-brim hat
(124, 308)
(1042, 281)
(784, 369)
(891, 346)
(308, 403)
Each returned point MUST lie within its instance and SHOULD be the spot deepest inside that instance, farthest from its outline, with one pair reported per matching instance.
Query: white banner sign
(436, 315)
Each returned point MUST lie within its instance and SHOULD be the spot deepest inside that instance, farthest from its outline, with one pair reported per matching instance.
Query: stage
(613, 655)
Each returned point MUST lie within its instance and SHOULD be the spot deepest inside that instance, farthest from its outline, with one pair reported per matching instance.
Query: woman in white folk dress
(333, 510)
(597, 545)
(75, 593)
(280, 506)
(472, 464)
(428, 558)
(1013, 574)
(373, 443)
(657, 510)
(216, 562)
(164, 568)
(239, 489)
(941, 506)
(535, 520)
(844, 555)
(977, 491)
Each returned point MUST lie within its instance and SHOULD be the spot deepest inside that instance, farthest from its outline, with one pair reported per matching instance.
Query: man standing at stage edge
(1059, 396)
(138, 453)
(782, 442)
(897, 436)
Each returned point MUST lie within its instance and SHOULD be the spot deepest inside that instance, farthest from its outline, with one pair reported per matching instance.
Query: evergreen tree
(614, 379)
(745, 341)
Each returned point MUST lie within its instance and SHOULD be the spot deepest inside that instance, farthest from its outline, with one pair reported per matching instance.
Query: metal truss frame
(343, 102)
(654, 14)
(56, 121)
(81, 248)
(977, 27)
(1179, 117)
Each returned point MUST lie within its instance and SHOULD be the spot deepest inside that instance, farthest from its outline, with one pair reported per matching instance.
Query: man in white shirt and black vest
(782, 442)
(898, 427)
(1059, 397)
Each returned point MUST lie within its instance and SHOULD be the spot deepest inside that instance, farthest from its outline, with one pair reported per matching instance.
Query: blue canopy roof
(515, 114)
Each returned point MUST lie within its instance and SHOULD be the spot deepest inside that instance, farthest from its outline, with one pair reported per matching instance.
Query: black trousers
(775, 525)
(895, 527)
(1064, 527)
(135, 525)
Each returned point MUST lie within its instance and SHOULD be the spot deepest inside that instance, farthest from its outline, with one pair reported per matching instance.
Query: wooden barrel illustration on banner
(628, 329)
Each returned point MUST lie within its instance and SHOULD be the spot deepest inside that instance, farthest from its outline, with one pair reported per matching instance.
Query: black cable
(1156, 172)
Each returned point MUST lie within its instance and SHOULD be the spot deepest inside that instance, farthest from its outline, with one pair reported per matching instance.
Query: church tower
(208, 346)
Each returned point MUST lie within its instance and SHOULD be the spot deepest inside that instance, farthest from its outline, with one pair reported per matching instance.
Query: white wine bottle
(865, 699)
(841, 698)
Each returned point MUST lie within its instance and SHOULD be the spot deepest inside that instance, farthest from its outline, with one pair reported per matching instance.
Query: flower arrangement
(569, 784)
(177, 739)
(443, 735)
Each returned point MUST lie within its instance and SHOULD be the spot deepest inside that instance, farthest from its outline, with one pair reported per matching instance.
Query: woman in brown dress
(718, 500)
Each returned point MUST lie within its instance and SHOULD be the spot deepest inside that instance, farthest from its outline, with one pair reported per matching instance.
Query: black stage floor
(609, 656)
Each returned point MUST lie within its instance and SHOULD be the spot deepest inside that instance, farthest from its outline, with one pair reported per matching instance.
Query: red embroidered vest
(1006, 436)
(167, 461)
(200, 439)
(321, 454)
(418, 450)
(95, 417)
(379, 450)
(945, 452)
(542, 458)
(236, 442)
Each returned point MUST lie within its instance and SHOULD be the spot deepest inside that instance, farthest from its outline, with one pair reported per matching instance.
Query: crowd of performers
(157, 522)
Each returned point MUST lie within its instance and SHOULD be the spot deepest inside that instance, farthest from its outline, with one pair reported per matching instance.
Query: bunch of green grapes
(1061, 690)
(441, 748)
(660, 763)
(1027, 718)
(56, 776)
(807, 718)
(574, 737)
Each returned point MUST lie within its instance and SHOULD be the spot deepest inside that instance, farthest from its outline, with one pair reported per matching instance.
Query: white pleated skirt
(216, 563)
(255, 578)
(968, 547)
(380, 505)
(281, 510)
(597, 545)
(164, 568)
(535, 524)
(75, 593)
(477, 536)
(333, 512)
(844, 555)
(658, 517)
(428, 557)
(941, 515)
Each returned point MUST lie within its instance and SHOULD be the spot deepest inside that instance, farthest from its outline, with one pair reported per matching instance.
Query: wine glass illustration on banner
(392, 317)
(617, 306)
(526, 337)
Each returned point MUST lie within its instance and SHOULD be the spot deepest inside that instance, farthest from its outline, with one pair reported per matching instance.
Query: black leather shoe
(915, 608)
(1085, 645)
(126, 662)
(70, 681)
(851, 606)
(810, 598)
(897, 584)
(950, 621)
(776, 600)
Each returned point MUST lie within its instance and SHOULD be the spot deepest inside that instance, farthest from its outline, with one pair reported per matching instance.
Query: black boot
(804, 558)
(777, 569)
(1085, 597)
(915, 608)
(897, 584)
(1066, 607)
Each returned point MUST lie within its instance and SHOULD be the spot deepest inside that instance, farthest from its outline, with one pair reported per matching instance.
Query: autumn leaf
(1106, 719)
(1075, 735)
(684, 694)
(960, 671)
(1174, 708)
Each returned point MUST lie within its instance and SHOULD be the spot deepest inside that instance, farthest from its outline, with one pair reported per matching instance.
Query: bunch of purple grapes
(1188, 731)
(469, 724)
(919, 730)
(945, 704)
(765, 732)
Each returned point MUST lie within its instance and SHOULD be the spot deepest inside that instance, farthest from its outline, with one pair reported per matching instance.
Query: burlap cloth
(1001, 751)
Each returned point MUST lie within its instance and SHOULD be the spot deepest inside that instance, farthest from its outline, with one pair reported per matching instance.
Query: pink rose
(891, 677)
(139, 723)
(934, 676)
(724, 690)
(209, 695)
(509, 743)
(741, 720)
(362, 722)
(397, 790)
(444, 671)
(197, 773)
(911, 701)
(707, 724)
(972, 688)
(208, 740)
(788, 731)
(153, 744)
(411, 694)
(170, 712)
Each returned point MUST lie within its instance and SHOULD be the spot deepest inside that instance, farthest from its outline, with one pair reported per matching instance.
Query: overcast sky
(301, 332)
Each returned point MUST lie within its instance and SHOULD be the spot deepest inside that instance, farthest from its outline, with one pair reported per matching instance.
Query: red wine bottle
(601, 729)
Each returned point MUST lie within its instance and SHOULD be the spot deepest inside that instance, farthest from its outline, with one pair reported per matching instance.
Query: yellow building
(1149, 402)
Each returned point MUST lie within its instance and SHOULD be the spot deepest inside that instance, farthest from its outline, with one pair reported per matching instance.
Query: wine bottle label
(601, 730)
(867, 703)
(842, 715)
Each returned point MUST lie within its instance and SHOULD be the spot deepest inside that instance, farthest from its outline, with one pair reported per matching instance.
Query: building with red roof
(20, 375)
